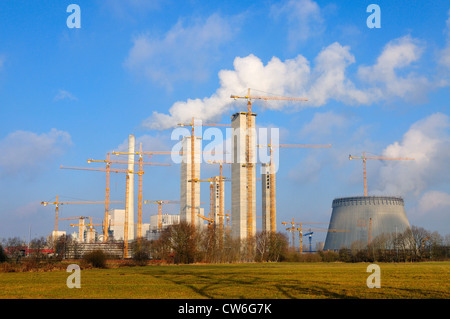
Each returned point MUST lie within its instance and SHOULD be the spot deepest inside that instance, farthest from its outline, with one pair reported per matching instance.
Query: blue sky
(139, 67)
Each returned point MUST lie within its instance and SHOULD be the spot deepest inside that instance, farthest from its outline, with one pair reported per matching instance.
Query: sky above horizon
(140, 67)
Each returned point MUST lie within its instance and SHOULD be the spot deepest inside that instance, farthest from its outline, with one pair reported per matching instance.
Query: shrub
(3, 257)
(141, 257)
(96, 258)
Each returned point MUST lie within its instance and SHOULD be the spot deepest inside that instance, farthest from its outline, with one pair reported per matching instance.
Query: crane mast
(364, 158)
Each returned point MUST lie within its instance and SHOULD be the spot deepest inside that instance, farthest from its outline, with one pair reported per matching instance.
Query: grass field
(233, 281)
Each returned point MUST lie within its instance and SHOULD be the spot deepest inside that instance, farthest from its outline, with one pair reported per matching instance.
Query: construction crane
(211, 180)
(364, 158)
(108, 170)
(192, 153)
(272, 178)
(140, 174)
(57, 203)
(81, 220)
(82, 225)
(221, 199)
(248, 163)
(127, 187)
(293, 229)
(310, 238)
(160, 202)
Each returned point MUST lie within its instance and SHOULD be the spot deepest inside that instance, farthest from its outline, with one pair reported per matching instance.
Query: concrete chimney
(131, 150)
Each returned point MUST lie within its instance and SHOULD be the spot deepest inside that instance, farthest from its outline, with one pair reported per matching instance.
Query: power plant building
(357, 218)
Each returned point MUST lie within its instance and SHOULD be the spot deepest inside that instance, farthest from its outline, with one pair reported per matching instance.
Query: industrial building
(166, 220)
(362, 218)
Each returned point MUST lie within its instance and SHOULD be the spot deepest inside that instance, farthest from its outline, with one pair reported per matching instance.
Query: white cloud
(432, 201)
(27, 152)
(304, 18)
(428, 142)
(63, 95)
(293, 77)
(325, 124)
(185, 52)
(329, 79)
(396, 55)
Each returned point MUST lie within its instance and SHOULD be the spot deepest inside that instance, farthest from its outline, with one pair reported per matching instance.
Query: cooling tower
(354, 218)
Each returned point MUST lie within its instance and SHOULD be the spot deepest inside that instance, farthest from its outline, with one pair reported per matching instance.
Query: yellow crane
(248, 163)
(364, 158)
(300, 230)
(272, 178)
(192, 153)
(160, 203)
(221, 199)
(140, 173)
(80, 221)
(211, 180)
(127, 186)
(82, 225)
(58, 203)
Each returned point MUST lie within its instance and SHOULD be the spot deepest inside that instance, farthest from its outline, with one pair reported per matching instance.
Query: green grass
(232, 281)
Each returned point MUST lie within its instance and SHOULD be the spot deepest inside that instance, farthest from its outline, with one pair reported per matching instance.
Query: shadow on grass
(210, 285)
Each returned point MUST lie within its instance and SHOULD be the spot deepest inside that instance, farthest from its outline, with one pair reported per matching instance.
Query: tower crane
(127, 186)
(108, 170)
(140, 174)
(82, 225)
(211, 180)
(80, 221)
(364, 158)
(192, 153)
(248, 163)
(57, 203)
(310, 237)
(160, 202)
(273, 212)
(300, 230)
(221, 199)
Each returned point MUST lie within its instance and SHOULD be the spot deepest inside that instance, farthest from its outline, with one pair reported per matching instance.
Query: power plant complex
(353, 219)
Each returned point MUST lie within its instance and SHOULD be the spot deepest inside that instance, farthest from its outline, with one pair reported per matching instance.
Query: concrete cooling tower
(362, 215)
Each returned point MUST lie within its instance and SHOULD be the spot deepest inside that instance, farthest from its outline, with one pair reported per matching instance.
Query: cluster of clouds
(428, 142)
(185, 52)
(324, 79)
(25, 152)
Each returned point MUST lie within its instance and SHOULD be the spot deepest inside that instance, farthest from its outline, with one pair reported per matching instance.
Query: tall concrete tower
(131, 150)
(243, 178)
(219, 198)
(268, 186)
(186, 175)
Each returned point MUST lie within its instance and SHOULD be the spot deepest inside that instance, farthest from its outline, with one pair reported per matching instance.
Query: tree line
(183, 244)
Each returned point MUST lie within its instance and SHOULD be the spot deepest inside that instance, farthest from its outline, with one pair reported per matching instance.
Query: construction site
(353, 219)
